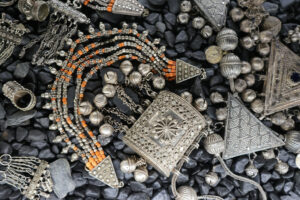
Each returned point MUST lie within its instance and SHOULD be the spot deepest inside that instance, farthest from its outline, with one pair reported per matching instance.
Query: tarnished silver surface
(244, 133)
(215, 11)
(168, 127)
(128, 7)
(282, 86)
(186, 71)
(105, 173)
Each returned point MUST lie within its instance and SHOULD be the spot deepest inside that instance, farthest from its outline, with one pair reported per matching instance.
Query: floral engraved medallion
(165, 131)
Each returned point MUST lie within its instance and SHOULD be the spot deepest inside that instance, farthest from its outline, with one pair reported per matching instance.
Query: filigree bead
(227, 39)
(106, 130)
(100, 101)
(212, 179)
(230, 66)
(186, 193)
(85, 108)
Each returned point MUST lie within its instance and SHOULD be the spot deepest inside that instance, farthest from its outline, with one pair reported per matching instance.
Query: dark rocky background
(27, 134)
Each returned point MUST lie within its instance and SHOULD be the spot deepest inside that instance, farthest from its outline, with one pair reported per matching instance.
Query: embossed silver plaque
(282, 86)
(165, 131)
(244, 133)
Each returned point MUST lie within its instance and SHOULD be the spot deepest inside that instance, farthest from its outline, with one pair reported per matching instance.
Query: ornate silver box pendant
(165, 131)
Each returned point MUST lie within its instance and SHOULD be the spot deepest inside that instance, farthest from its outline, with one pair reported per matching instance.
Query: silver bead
(278, 118)
(69, 42)
(53, 127)
(212, 179)
(273, 24)
(111, 77)
(85, 108)
(240, 85)
(214, 144)
(250, 79)
(281, 167)
(288, 125)
(248, 95)
(221, 114)
(186, 6)
(206, 31)
(96, 117)
(141, 174)
(257, 64)
(297, 161)
(187, 96)
(58, 139)
(257, 106)
(200, 104)
(159, 82)
(198, 23)
(65, 150)
(135, 78)
(106, 130)
(216, 97)
(263, 49)
(144, 69)
(213, 54)
(292, 141)
(91, 30)
(109, 90)
(100, 101)
(128, 165)
(246, 26)
(265, 36)
(247, 42)
(186, 193)
(126, 67)
(227, 39)
(269, 154)
(74, 157)
(236, 14)
(251, 170)
(183, 18)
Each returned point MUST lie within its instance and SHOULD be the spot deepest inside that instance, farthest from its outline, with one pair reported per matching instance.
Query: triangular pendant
(245, 134)
(282, 86)
(105, 172)
(215, 11)
(185, 71)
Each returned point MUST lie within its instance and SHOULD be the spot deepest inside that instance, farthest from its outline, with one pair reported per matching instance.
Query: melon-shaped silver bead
(206, 31)
(109, 90)
(186, 193)
(212, 179)
(100, 101)
(144, 69)
(240, 85)
(85, 108)
(135, 78)
(159, 82)
(247, 42)
(230, 66)
(126, 67)
(187, 96)
(292, 141)
(251, 170)
(282, 167)
(200, 104)
(221, 114)
(96, 117)
(236, 14)
(248, 95)
(257, 106)
(278, 118)
(106, 130)
(288, 125)
(111, 77)
(250, 79)
(216, 97)
(128, 165)
(141, 174)
(214, 144)
(198, 23)
(227, 39)
(257, 64)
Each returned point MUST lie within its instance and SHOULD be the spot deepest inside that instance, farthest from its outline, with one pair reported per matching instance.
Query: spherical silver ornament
(186, 193)
(265, 36)
(109, 90)
(106, 130)
(278, 118)
(212, 179)
(246, 26)
(269, 154)
(236, 14)
(144, 69)
(111, 77)
(288, 125)
(230, 66)
(96, 117)
(159, 82)
(281, 167)
(206, 31)
(250, 79)
(187, 96)
(246, 67)
(100, 101)
(247, 42)
(272, 24)
(185, 6)
(221, 114)
(248, 95)
(183, 18)
(263, 49)
(227, 39)
(135, 78)
(198, 23)
(257, 106)
(141, 174)
(240, 85)
(128, 165)
(297, 161)
(126, 67)
(257, 64)
(200, 104)
(292, 141)
(216, 97)
(85, 108)
(251, 170)
(214, 144)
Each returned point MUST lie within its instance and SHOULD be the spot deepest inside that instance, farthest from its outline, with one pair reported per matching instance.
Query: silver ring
(34, 10)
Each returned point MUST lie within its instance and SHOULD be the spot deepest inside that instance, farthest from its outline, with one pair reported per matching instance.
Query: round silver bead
(251, 170)
(109, 90)
(227, 39)
(288, 125)
(269, 154)
(250, 79)
(106, 130)
(85, 108)
(236, 14)
(221, 114)
(206, 31)
(257, 64)
(246, 26)
(265, 36)
(128, 165)
(263, 49)
(111, 77)
(212, 179)
(159, 82)
(198, 23)
(187, 96)
(216, 97)
(96, 117)
(278, 118)
(183, 18)
(135, 78)
(240, 85)
(248, 95)
(141, 174)
(144, 69)
(257, 106)
(126, 67)
(100, 101)
(185, 6)
(292, 141)
(273, 24)
(231, 67)
(214, 144)
(281, 167)
(246, 67)
(186, 193)
(247, 42)
(69, 42)
(200, 104)
(297, 161)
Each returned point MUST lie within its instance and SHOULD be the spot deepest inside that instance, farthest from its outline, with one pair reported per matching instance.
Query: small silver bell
(126, 67)
(100, 101)
(131, 163)
(200, 104)
(221, 114)
(263, 49)
(281, 167)
(248, 95)
(111, 77)
(297, 161)
(53, 127)
(246, 67)
(212, 179)
(185, 6)
(141, 174)
(85, 108)
(214, 144)
(206, 31)
(246, 26)
(187, 96)
(106, 130)
(58, 139)
(198, 23)
(74, 157)
(183, 18)
(250, 79)
(227, 39)
(216, 97)
(251, 170)
(240, 85)
(278, 118)
(269, 154)
(96, 117)
(144, 69)
(247, 42)
(135, 78)
(257, 106)
(265, 36)
(288, 125)
(109, 90)
(186, 193)
(159, 82)
(236, 14)
(257, 64)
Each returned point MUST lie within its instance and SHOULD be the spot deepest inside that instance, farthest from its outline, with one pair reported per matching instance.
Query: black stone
(170, 38)
(21, 134)
(181, 37)
(163, 194)
(138, 196)
(5, 148)
(240, 164)
(19, 117)
(152, 18)
(92, 191)
(110, 193)
(28, 151)
(21, 70)
(36, 135)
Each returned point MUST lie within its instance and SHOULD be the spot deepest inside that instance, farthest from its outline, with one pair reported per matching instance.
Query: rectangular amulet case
(165, 131)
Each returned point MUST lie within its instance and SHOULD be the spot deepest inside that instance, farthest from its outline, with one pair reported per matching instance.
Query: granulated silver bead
(109, 90)
(278, 118)
(126, 67)
(96, 117)
(144, 69)
(187, 96)
(111, 77)
(206, 31)
(183, 18)
(227, 39)
(100, 101)
(159, 82)
(240, 85)
(106, 130)
(186, 193)
(135, 78)
(214, 144)
(292, 141)
(85, 108)
(251, 170)
(198, 23)
(200, 104)
(248, 95)
(236, 14)
(185, 6)
(257, 64)
(281, 167)
(212, 179)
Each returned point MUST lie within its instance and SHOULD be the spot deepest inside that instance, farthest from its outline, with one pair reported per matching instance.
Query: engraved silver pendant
(186, 71)
(168, 127)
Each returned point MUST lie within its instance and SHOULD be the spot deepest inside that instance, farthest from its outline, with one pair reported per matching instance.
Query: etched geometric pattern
(165, 156)
(244, 133)
(185, 71)
(128, 7)
(282, 88)
(215, 11)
